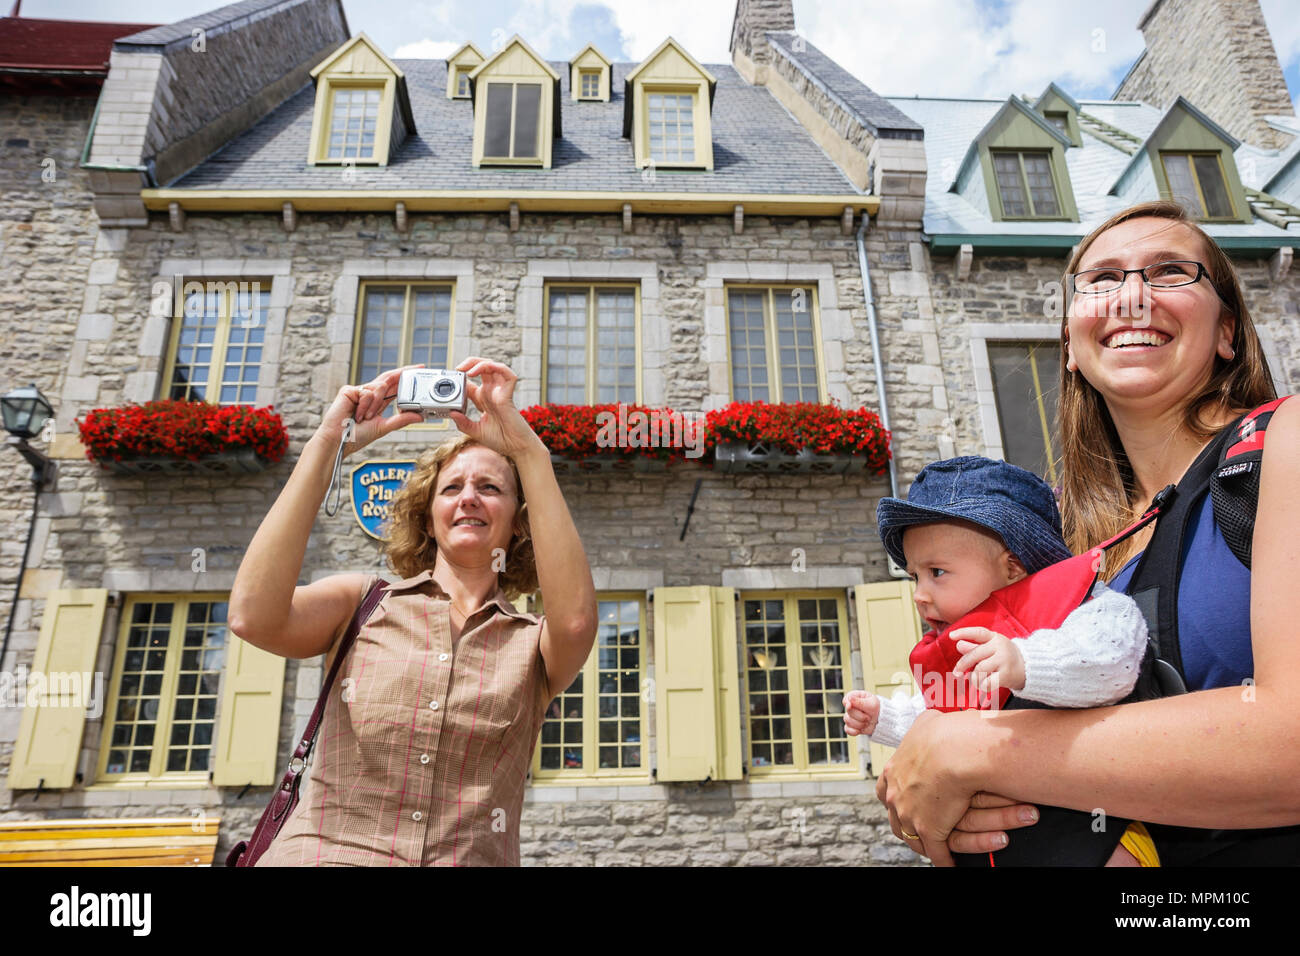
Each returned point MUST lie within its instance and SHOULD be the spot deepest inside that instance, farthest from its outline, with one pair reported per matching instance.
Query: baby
(972, 525)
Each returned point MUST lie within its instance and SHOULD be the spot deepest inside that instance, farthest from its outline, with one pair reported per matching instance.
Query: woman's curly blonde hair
(410, 548)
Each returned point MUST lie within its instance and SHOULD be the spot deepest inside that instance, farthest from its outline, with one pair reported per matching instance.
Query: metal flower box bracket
(607, 464)
(235, 461)
(759, 458)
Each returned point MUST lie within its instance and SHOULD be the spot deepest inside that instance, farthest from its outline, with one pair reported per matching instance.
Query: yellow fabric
(1138, 841)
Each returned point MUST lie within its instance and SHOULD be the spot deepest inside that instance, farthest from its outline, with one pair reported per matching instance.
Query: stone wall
(47, 240)
(1246, 84)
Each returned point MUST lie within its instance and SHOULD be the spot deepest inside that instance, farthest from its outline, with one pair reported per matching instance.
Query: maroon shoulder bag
(247, 852)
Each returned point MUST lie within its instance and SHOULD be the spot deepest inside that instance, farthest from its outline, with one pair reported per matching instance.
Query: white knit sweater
(1091, 660)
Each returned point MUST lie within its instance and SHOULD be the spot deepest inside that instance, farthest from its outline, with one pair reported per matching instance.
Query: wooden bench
(157, 841)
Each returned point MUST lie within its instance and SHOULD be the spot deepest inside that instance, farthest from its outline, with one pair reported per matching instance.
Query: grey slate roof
(228, 17)
(758, 147)
(952, 124)
(881, 118)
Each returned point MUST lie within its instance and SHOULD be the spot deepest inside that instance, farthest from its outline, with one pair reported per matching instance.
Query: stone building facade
(873, 178)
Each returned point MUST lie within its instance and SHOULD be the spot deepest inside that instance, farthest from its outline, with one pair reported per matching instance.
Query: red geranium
(171, 428)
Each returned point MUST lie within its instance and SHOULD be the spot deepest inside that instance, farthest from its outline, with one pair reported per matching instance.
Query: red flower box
(804, 430)
(171, 430)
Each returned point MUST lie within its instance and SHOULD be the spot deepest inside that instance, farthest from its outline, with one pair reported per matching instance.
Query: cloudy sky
(922, 47)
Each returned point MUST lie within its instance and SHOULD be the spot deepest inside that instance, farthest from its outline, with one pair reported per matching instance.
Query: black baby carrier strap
(1228, 470)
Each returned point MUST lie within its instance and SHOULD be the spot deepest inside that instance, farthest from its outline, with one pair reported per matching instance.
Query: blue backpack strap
(1234, 487)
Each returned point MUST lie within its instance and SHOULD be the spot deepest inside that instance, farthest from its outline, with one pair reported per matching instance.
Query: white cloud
(945, 47)
(426, 50)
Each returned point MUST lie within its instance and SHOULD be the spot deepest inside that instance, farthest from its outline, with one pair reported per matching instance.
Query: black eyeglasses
(1159, 275)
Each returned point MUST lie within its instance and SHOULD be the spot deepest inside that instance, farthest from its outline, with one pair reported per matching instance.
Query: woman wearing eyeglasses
(1159, 359)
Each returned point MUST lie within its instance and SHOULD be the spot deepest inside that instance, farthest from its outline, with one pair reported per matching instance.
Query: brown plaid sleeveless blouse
(424, 744)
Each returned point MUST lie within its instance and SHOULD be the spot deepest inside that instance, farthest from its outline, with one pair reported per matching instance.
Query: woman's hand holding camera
(365, 405)
(500, 426)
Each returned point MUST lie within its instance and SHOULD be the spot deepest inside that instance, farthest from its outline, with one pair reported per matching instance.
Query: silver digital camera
(432, 391)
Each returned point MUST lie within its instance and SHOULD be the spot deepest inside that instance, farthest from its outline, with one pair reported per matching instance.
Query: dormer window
(1061, 110)
(1060, 120)
(670, 126)
(354, 116)
(669, 99)
(459, 66)
(513, 118)
(1025, 184)
(1197, 183)
(516, 113)
(589, 75)
(363, 112)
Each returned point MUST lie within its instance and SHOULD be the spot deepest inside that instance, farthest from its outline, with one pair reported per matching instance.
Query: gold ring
(909, 836)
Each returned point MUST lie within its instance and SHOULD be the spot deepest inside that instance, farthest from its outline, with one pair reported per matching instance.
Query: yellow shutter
(685, 684)
(888, 629)
(249, 729)
(728, 677)
(49, 737)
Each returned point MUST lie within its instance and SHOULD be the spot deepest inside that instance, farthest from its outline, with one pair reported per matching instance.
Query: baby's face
(955, 565)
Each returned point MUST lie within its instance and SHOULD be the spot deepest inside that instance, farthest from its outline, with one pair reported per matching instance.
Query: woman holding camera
(428, 734)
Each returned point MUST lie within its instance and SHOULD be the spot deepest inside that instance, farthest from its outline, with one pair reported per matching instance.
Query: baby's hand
(989, 655)
(861, 711)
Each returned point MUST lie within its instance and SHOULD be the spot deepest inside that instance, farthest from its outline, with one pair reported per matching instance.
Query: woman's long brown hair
(1098, 492)
(410, 548)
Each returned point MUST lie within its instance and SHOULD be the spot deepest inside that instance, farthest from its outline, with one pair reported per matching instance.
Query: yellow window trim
(1196, 181)
(700, 124)
(408, 330)
(160, 779)
(592, 773)
(769, 335)
(322, 117)
(798, 725)
(217, 368)
(591, 288)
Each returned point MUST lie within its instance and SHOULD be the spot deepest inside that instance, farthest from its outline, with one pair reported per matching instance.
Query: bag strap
(285, 797)
(1234, 488)
(367, 606)
(1154, 585)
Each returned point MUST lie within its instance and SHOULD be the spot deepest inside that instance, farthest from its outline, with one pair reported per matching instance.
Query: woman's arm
(1219, 758)
(267, 609)
(568, 593)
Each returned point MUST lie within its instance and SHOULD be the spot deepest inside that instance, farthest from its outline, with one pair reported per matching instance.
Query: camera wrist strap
(336, 487)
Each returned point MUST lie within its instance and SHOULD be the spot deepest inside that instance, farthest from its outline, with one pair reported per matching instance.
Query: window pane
(199, 322)
(1213, 188)
(431, 326)
(616, 346)
(767, 676)
(1025, 385)
(566, 347)
(354, 111)
(670, 124)
(748, 346)
(496, 138)
(794, 329)
(1038, 171)
(1181, 185)
(382, 309)
(1006, 170)
(528, 109)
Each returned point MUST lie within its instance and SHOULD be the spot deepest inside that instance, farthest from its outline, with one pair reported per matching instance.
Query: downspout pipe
(869, 297)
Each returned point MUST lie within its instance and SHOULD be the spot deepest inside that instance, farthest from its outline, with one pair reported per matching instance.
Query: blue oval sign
(374, 483)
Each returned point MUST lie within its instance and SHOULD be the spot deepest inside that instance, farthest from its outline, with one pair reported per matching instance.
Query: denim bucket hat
(1014, 503)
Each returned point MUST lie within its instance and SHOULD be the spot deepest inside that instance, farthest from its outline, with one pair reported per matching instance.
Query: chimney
(1220, 56)
(750, 52)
